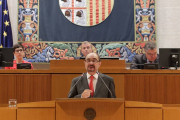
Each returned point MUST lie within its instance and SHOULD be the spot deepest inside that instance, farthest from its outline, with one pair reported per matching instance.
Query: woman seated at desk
(18, 53)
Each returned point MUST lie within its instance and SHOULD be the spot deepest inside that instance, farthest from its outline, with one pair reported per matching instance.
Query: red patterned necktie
(91, 85)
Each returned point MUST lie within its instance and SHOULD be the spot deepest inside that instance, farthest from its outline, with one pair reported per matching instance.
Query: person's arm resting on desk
(134, 63)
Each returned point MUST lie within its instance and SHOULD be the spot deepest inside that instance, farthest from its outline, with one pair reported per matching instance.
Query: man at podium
(92, 84)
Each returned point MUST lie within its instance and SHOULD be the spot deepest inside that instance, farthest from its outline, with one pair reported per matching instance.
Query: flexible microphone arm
(105, 85)
(136, 64)
(75, 84)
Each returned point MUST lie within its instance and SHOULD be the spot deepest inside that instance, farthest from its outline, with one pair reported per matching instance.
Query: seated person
(18, 53)
(150, 56)
(92, 84)
(86, 48)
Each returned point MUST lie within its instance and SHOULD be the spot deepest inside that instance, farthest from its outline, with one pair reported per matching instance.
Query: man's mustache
(91, 66)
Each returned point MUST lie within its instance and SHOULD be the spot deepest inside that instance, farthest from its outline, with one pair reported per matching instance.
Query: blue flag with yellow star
(6, 39)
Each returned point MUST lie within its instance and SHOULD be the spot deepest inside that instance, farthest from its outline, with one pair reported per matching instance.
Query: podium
(86, 109)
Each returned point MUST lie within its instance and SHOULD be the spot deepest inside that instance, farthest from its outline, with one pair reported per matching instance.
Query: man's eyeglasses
(20, 50)
(152, 54)
(92, 61)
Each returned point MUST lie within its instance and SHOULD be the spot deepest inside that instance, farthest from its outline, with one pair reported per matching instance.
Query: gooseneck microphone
(105, 84)
(75, 84)
(136, 64)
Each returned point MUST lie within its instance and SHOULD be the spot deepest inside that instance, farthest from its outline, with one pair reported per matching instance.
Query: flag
(6, 39)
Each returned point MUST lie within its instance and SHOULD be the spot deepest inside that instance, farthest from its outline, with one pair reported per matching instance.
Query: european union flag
(5, 25)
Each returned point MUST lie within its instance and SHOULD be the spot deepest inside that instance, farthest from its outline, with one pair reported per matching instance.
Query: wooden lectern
(76, 109)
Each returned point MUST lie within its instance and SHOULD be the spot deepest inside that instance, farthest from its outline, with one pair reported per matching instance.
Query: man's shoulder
(139, 56)
(105, 76)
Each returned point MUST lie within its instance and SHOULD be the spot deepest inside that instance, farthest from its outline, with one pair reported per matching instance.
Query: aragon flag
(117, 27)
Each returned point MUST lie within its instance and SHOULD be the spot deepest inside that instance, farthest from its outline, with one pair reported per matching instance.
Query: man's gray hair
(150, 45)
(86, 42)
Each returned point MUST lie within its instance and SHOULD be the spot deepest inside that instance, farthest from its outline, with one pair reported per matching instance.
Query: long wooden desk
(157, 86)
(106, 109)
(76, 109)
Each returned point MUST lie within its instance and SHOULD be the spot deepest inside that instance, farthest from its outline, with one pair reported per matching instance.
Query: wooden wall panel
(157, 88)
(7, 113)
(36, 114)
(61, 84)
(171, 113)
(119, 84)
(7, 88)
(143, 114)
(33, 87)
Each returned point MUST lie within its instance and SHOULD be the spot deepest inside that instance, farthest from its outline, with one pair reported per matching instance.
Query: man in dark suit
(150, 56)
(86, 48)
(92, 84)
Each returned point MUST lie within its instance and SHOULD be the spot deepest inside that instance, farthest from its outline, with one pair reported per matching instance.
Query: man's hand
(86, 93)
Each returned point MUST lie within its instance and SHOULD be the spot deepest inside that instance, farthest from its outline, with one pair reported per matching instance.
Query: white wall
(167, 22)
(13, 11)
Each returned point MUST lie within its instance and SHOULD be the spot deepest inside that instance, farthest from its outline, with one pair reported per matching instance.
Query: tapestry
(145, 20)
(42, 41)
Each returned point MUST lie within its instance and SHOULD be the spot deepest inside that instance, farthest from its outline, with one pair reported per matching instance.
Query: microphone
(136, 64)
(75, 84)
(105, 85)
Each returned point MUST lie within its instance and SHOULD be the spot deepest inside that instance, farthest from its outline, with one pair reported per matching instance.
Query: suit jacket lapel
(85, 82)
(98, 85)
(144, 58)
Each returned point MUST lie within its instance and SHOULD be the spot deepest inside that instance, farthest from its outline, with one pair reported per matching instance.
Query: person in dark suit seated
(92, 84)
(18, 53)
(86, 48)
(150, 56)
